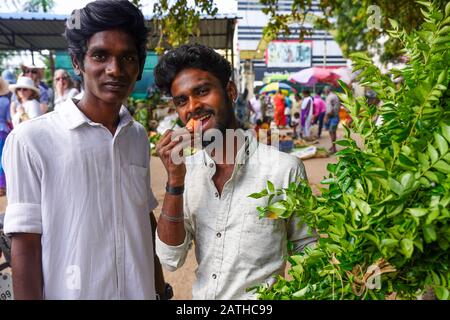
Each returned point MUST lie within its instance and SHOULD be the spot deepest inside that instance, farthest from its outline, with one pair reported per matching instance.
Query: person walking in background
(5, 120)
(332, 115)
(319, 112)
(256, 109)
(307, 114)
(27, 105)
(287, 110)
(279, 102)
(63, 88)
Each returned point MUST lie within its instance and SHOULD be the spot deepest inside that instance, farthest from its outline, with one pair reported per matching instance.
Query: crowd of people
(26, 96)
(299, 112)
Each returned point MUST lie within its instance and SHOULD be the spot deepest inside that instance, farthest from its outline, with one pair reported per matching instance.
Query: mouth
(115, 86)
(204, 120)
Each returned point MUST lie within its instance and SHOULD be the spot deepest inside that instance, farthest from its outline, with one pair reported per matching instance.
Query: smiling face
(111, 66)
(198, 94)
(23, 94)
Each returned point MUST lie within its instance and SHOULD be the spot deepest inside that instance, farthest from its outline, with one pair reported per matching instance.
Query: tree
(31, 5)
(355, 25)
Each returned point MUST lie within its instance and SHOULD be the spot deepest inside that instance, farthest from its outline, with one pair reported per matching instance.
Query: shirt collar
(74, 118)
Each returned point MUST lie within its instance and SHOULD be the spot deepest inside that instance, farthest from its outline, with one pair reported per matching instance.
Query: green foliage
(383, 223)
(355, 25)
(179, 21)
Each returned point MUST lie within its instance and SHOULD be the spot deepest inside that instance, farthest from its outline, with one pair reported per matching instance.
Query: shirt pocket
(261, 240)
(137, 186)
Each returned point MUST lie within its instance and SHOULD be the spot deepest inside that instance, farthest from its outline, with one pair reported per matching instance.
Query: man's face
(199, 94)
(32, 73)
(111, 66)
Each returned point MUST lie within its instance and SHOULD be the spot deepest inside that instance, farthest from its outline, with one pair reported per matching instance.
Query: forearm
(159, 276)
(172, 232)
(26, 263)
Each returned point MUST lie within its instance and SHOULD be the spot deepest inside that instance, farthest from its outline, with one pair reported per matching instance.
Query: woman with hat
(27, 106)
(5, 119)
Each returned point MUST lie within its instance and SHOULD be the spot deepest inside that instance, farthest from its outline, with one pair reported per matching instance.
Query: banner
(289, 54)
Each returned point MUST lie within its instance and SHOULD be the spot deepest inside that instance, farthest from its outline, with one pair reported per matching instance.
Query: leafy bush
(383, 223)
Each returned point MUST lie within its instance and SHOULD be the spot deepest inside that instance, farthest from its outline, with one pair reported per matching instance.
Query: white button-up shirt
(88, 193)
(235, 249)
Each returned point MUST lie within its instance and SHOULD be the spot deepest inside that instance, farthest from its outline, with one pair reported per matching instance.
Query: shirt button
(216, 195)
(214, 276)
(218, 234)
(211, 165)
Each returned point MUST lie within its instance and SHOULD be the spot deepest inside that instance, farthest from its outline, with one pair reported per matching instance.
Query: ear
(76, 66)
(231, 91)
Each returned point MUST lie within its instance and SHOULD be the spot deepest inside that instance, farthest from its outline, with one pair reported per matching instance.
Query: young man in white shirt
(206, 197)
(79, 194)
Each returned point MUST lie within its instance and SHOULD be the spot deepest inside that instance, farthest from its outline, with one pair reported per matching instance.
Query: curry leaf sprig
(383, 223)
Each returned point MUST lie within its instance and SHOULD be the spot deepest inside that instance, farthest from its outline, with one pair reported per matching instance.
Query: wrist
(175, 181)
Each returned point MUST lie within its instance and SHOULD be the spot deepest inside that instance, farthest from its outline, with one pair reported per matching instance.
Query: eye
(178, 102)
(130, 58)
(98, 57)
(203, 91)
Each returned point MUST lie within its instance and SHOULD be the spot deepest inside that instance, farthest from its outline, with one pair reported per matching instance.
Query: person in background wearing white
(255, 104)
(64, 89)
(27, 104)
(36, 74)
(307, 114)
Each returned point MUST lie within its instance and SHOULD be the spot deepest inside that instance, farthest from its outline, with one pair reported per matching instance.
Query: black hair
(190, 56)
(306, 91)
(102, 15)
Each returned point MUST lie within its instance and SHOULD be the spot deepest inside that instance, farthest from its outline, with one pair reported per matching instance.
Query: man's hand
(170, 150)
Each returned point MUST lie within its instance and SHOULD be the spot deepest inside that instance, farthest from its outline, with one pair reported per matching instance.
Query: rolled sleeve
(23, 174)
(172, 257)
(23, 218)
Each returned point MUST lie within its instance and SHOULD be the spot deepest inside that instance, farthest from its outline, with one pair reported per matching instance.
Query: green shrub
(384, 220)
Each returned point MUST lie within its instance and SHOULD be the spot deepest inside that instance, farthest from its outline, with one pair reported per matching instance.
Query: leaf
(432, 176)
(442, 144)
(447, 9)
(429, 233)
(446, 131)
(258, 195)
(270, 186)
(344, 143)
(278, 208)
(432, 153)
(417, 212)
(395, 186)
(442, 293)
(442, 166)
(423, 160)
(407, 247)
(407, 180)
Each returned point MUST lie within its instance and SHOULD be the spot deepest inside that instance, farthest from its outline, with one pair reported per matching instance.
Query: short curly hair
(102, 15)
(190, 56)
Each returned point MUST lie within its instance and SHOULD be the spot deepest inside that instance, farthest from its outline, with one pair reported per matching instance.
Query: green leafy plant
(383, 223)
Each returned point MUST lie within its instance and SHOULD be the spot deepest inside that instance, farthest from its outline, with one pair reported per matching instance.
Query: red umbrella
(310, 76)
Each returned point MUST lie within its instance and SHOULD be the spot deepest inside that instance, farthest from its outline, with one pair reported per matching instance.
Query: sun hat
(4, 87)
(9, 76)
(24, 82)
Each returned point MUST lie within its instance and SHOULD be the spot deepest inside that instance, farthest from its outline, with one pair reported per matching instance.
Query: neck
(100, 111)
(223, 157)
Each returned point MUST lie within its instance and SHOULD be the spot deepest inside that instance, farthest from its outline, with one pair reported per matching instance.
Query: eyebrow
(102, 49)
(205, 82)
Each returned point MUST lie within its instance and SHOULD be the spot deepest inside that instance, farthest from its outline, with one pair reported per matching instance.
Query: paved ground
(183, 278)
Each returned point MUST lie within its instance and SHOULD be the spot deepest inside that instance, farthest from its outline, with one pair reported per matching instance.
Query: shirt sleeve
(43, 95)
(173, 257)
(298, 232)
(23, 178)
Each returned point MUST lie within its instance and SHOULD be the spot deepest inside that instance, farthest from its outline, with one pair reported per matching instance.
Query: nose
(114, 67)
(194, 104)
